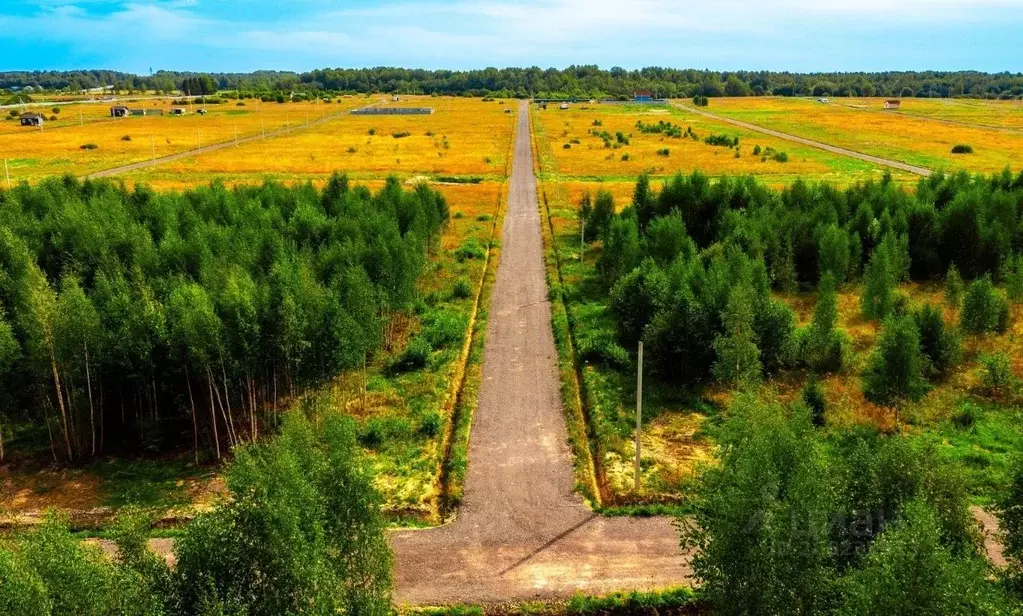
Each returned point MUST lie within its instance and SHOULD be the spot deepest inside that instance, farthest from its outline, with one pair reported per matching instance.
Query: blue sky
(244, 35)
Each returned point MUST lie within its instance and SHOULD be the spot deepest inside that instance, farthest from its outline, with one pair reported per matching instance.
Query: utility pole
(262, 125)
(81, 120)
(152, 142)
(7, 172)
(199, 141)
(639, 409)
(236, 135)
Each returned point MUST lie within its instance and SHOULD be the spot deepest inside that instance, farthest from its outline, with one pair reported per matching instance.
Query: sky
(244, 35)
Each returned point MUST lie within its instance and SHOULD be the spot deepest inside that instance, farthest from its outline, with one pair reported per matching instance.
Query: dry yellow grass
(587, 157)
(863, 126)
(33, 154)
(462, 137)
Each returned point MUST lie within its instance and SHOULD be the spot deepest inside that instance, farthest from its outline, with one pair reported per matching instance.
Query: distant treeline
(580, 81)
(134, 320)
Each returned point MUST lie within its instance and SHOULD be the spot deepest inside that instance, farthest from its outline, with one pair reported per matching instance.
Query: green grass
(984, 451)
(664, 602)
(156, 484)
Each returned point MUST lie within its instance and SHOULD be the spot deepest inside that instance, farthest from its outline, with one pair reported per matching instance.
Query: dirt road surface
(521, 532)
(894, 164)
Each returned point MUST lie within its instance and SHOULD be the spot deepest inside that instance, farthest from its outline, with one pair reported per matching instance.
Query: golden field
(463, 137)
(587, 157)
(862, 125)
(33, 154)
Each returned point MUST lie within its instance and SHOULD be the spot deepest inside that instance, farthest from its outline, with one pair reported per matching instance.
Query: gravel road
(521, 532)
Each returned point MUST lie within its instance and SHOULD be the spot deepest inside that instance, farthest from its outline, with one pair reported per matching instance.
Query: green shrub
(602, 349)
(371, 132)
(997, 377)
(985, 309)
(781, 157)
(814, 399)
(470, 249)
(626, 157)
(414, 357)
(22, 591)
(126, 138)
(664, 152)
(962, 148)
(966, 416)
(442, 328)
(88, 146)
(430, 425)
(897, 364)
(567, 146)
(401, 134)
(462, 288)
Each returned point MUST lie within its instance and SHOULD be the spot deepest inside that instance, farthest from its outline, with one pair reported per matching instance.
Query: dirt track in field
(213, 147)
(521, 532)
(877, 160)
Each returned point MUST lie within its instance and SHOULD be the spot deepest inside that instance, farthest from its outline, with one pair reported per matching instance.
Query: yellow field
(33, 154)
(994, 114)
(862, 125)
(462, 137)
(588, 157)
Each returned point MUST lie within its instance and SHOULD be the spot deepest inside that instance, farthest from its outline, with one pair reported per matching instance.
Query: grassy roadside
(654, 603)
(585, 449)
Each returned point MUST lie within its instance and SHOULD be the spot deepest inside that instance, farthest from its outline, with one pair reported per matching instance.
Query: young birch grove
(137, 321)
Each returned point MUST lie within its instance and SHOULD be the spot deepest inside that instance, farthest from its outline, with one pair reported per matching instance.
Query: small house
(201, 112)
(32, 119)
(119, 111)
(563, 106)
(395, 98)
(823, 100)
(892, 104)
(642, 96)
(178, 111)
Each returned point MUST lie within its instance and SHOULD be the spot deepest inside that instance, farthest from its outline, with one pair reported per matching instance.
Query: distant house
(563, 106)
(145, 112)
(178, 111)
(823, 100)
(892, 104)
(642, 96)
(395, 98)
(118, 111)
(31, 119)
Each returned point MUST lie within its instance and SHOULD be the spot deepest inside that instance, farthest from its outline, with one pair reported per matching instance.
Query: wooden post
(262, 126)
(198, 140)
(7, 172)
(639, 408)
(152, 142)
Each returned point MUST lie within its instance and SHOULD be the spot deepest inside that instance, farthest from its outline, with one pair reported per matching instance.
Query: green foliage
(909, 571)
(788, 523)
(470, 249)
(700, 100)
(834, 253)
(896, 369)
(303, 531)
(462, 288)
(878, 298)
(720, 140)
(997, 377)
(939, 343)
(760, 521)
(738, 358)
(985, 310)
(823, 347)
(621, 249)
(415, 355)
(598, 218)
(954, 289)
(962, 148)
(814, 399)
(1010, 510)
(22, 591)
(169, 303)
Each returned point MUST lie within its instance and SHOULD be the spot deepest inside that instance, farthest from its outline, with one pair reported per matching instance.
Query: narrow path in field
(894, 164)
(213, 147)
(919, 116)
(521, 532)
